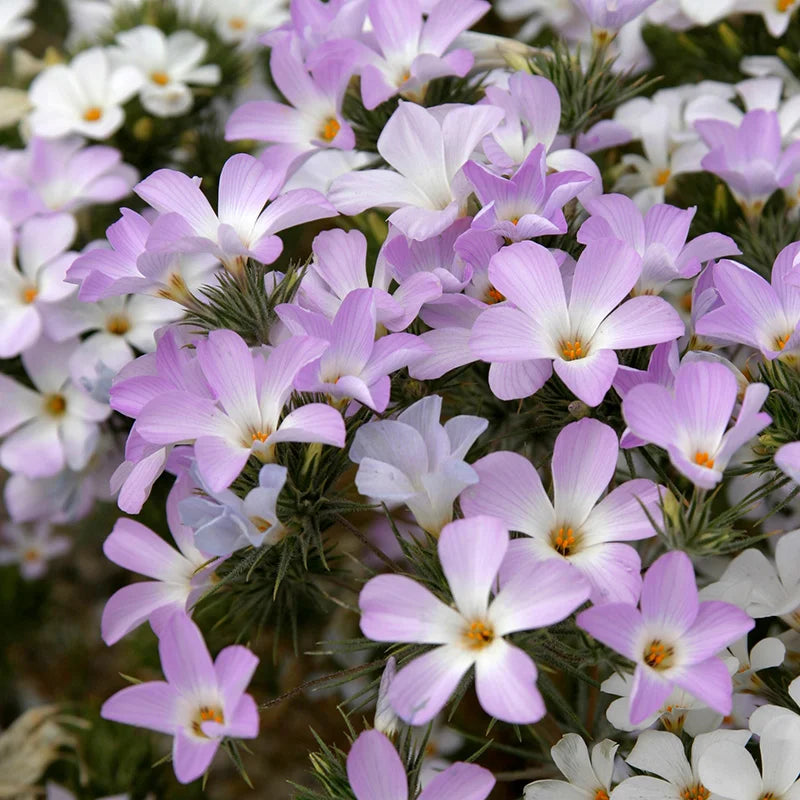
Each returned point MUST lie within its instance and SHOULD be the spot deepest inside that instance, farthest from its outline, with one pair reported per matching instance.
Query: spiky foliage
(242, 303)
(588, 92)
(761, 244)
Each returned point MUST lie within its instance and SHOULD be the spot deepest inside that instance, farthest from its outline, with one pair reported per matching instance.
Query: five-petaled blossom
(672, 637)
(395, 608)
(201, 701)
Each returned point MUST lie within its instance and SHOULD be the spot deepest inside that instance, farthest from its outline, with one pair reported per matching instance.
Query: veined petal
(616, 625)
(152, 705)
(184, 657)
(397, 609)
(135, 547)
(374, 769)
(460, 780)
(669, 593)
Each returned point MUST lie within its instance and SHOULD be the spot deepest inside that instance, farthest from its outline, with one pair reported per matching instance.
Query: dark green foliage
(588, 93)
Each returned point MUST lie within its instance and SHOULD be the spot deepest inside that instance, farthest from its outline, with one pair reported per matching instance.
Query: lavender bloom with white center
(354, 366)
(201, 701)
(578, 337)
(179, 576)
(417, 461)
(223, 522)
(765, 316)
(61, 175)
(84, 96)
(529, 203)
(611, 15)
(376, 772)
(251, 392)
(428, 150)
(52, 426)
(673, 639)
(750, 157)
(659, 238)
(577, 528)
(690, 420)
(312, 121)
(31, 547)
(395, 608)
(243, 228)
(406, 51)
(30, 292)
(339, 267)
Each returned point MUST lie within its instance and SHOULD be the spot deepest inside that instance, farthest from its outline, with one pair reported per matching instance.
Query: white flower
(168, 64)
(587, 779)
(761, 588)
(90, 19)
(767, 653)
(764, 715)
(680, 711)
(31, 547)
(662, 754)
(417, 461)
(84, 97)
(242, 21)
(13, 26)
(729, 770)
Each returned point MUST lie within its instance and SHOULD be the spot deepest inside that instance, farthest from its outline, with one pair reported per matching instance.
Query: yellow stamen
(55, 405)
(657, 655)
(406, 76)
(260, 436)
(29, 294)
(662, 176)
(514, 220)
(784, 5)
(601, 794)
(32, 554)
(93, 114)
(696, 792)
(494, 296)
(780, 341)
(161, 78)
(237, 23)
(702, 459)
(330, 129)
(572, 350)
(207, 714)
(563, 540)
(478, 635)
(118, 324)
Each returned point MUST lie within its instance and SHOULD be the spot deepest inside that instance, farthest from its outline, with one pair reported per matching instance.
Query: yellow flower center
(662, 176)
(780, 341)
(207, 714)
(159, 77)
(93, 114)
(563, 541)
(55, 405)
(493, 296)
(696, 792)
(31, 554)
(784, 5)
(118, 324)
(601, 794)
(330, 129)
(478, 635)
(572, 350)
(702, 459)
(657, 655)
(29, 294)
(237, 23)
(260, 436)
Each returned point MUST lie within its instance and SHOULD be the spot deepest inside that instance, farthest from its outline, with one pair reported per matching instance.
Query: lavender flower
(200, 702)
(690, 421)
(575, 528)
(376, 772)
(395, 608)
(428, 151)
(578, 338)
(673, 639)
(244, 228)
(611, 15)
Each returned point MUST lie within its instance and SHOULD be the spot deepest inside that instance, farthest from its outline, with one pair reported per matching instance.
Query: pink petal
(184, 657)
(505, 681)
(152, 705)
(669, 593)
(462, 781)
(191, 757)
(132, 605)
(374, 769)
(616, 625)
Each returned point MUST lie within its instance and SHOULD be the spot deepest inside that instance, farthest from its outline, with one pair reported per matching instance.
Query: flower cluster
(431, 333)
